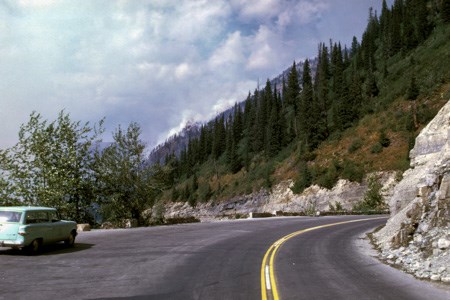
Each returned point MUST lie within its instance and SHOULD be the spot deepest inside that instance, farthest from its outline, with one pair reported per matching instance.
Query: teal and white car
(30, 228)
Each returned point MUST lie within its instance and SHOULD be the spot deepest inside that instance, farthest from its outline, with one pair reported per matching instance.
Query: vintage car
(30, 228)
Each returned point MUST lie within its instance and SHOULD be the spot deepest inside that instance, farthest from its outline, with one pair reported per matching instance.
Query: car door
(38, 226)
(59, 228)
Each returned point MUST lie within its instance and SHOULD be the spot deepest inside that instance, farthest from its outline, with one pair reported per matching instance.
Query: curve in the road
(269, 288)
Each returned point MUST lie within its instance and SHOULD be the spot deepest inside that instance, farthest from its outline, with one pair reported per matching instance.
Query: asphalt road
(220, 260)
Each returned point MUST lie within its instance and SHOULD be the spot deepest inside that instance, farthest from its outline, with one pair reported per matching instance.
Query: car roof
(25, 208)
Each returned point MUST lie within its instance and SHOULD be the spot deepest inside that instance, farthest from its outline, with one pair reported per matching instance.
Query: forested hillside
(178, 142)
(359, 112)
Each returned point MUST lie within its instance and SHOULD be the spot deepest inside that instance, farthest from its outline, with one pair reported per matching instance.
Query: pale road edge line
(263, 266)
(273, 249)
(268, 286)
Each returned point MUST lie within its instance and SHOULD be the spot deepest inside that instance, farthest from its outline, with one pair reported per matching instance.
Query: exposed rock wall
(426, 157)
(417, 236)
(281, 198)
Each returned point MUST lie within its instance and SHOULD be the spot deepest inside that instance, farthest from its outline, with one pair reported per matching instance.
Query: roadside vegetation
(63, 164)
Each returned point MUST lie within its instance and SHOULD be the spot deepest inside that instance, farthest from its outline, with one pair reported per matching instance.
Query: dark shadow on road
(54, 249)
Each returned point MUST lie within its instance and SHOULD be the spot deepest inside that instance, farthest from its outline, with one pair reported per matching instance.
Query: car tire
(70, 242)
(34, 247)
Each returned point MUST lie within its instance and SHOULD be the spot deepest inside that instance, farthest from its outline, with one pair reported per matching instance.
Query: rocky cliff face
(417, 236)
(281, 198)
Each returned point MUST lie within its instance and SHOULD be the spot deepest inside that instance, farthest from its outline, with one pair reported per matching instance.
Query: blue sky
(160, 63)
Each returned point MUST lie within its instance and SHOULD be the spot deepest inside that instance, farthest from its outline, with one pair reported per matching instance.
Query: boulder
(83, 227)
(443, 243)
(130, 223)
(107, 225)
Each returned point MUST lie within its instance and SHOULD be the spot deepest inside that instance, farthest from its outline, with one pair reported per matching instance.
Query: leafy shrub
(356, 144)
(204, 192)
(304, 180)
(175, 194)
(376, 148)
(425, 114)
(328, 177)
(309, 156)
(352, 171)
(336, 207)
(311, 210)
(262, 215)
(181, 220)
(373, 200)
(384, 140)
(192, 200)
(331, 206)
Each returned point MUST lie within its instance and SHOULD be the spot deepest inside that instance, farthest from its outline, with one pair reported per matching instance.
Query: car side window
(54, 216)
(34, 217)
(10, 216)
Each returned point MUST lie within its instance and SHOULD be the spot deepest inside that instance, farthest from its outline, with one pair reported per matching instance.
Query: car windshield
(10, 216)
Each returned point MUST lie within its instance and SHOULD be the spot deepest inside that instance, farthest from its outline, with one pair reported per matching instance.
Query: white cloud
(37, 3)
(257, 8)
(182, 71)
(229, 52)
(263, 50)
(156, 62)
(197, 20)
(308, 11)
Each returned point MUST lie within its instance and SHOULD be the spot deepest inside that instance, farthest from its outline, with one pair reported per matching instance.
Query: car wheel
(70, 242)
(34, 247)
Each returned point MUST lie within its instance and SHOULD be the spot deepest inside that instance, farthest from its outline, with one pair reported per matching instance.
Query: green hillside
(357, 110)
(359, 113)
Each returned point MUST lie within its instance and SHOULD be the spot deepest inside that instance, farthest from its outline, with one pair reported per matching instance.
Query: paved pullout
(220, 260)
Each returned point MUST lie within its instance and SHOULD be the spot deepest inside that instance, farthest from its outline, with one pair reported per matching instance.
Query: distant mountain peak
(175, 143)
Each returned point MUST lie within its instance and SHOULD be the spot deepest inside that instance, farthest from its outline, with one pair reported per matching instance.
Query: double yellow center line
(268, 283)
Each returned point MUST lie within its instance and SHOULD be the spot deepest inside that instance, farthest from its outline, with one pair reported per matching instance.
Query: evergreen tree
(194, 182)
(310, 114)
(340, 117)
(355, 47)
(293, 88)
(411, 94)
(371, 86)
(408, 34)
(258, 130)
(355, 94)
(368, 43)
(385, 23)
(413, 90)
(237, 123)
(234, 160)
(175, 194)
(229, 137)
(421, 19)
(250, 121)
(321, 89)
(445, 11)
(219, 139)
(304, 178)
(274, 140)
(292, 95)
(395, 30)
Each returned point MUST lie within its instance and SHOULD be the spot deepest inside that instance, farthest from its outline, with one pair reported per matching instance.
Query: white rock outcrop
(417, 234)
(430, 153)
(281, 198)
